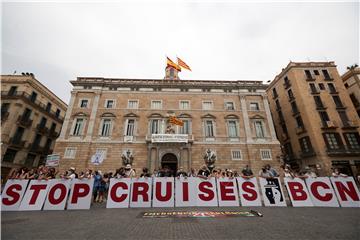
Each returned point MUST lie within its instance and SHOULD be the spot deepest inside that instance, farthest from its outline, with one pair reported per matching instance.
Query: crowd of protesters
(102, 180)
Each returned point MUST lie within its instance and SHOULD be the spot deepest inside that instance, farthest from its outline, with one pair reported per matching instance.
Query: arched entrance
(170, 160)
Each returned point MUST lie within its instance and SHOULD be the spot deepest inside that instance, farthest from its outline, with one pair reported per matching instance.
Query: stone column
(246, 119)
(93, 116)
(67, 117)
(269, 118)
(189, 157)
(149, 160)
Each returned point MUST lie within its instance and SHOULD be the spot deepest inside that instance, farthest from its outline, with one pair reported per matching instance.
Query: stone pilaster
(65, 125)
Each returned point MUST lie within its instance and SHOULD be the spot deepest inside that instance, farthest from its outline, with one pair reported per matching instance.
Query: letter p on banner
(12, 194)
(346, 191)
(80, 194)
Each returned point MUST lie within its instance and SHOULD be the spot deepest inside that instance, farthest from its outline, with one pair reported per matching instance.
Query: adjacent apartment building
(31, 120)
(124, 121)
(352, 83)
(314, 117)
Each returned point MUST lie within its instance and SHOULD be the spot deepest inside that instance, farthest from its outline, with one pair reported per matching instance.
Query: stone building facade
(352, 83)
(31, 120)
(314, 117)
(127, 121)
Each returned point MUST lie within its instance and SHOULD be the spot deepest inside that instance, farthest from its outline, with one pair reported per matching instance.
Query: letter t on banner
(35, 195)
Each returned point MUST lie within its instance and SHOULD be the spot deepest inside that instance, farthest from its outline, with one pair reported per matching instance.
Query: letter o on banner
(57, 194)
(321, 192)
(346, 191)
(119, 193)
(12, 194)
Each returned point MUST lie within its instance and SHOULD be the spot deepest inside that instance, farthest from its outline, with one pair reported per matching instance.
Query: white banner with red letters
(60, 194)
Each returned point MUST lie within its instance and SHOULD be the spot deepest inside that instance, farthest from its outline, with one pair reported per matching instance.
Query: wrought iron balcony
(349, 125)
(328, 124)
(16, 142)
(25, 122)
(343, 150)
(311, 153)
(300, 130)
(53, 133)
(42, 129)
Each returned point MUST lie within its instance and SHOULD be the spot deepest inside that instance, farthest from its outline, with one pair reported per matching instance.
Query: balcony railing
(343, 150)
(169, 138)
(27, 97)
(36, 149)
(42, 129)
(310, 78)
(287, 85)
(26, 122)
(350, 124)
(53, 133)
(300, 130)
(310, 153)
(328, 124)
(17, 143)
(4, 116)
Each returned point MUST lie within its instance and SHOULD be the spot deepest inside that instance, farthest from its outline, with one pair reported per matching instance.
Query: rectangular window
(110, 103)
(84, 103)
(316, 72)
(313, 88)
(78, 127)
(259, 129)
(332, 140)
(133, 104)
(308, 75)
(33, 96)
(207, 105)
(229, 106)
(294, 107)
(318, 102)
(232, 128)
(185, 129)
(305, 144)
(106, 127)
(156, 104)
(344, 118)
(9, 155)
(12, 91)
(299, 122)
(184, 105)
(332, 88)
(57, 113)
(53, 127)
(155, 126)
(324, 116)
(236, 155)
(354, 100)
(274, 93)
(254, 106)
(4, 108)
(209, 128)
(326, 74)
(18, 135)
(265, 154)
(321, 86)
(70, 152)
(26, 114)
(130, 127)
(290, 94)
(277, 103)
(352, 140)
(48, 107)
(37, 141)
(42, 123)
(338, 101)
(281, 116)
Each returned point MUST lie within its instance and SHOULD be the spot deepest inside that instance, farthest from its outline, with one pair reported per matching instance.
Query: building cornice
(350, 73)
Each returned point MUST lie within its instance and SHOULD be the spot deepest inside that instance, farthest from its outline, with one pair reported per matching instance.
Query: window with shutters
(70, 152)
(265, 154)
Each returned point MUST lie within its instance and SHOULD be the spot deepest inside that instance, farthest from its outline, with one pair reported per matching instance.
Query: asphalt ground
(101, 223)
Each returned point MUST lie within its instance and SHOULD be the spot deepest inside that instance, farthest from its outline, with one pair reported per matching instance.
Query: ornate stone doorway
(170, 160)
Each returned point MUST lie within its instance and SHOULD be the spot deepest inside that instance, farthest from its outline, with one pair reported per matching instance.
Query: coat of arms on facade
(127, 157)
(210, 158)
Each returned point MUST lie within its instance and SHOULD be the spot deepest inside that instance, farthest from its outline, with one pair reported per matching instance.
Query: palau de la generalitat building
(31, 119)
(128, 121)
(315, 118)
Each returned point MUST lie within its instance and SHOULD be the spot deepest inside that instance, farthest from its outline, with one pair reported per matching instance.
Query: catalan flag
(172, 64)
(182, 64)
(176, 121)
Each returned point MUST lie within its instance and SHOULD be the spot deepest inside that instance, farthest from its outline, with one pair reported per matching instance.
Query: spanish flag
(182, 64)
(172, 64)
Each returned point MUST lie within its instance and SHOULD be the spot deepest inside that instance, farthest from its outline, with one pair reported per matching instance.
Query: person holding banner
(203, 172)
(336, 173)
(247, 172)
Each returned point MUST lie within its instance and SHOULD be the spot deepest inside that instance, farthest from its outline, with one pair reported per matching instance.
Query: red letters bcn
(349, 190)
(314, 190)
(297, 191)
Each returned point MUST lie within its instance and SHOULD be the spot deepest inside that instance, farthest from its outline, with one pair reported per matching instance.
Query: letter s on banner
(119, 193)
(206, 195)
(57, 194)
(35, 195)
(185, 191)
(227, 192)
(321, 192)
(141, 192)
(163, 192)
(80, 194)
(346, 191)
(12, 194)
(249, 192)
(298, 192)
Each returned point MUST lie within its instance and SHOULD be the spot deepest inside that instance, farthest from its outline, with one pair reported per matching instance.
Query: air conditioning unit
(330, 124)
